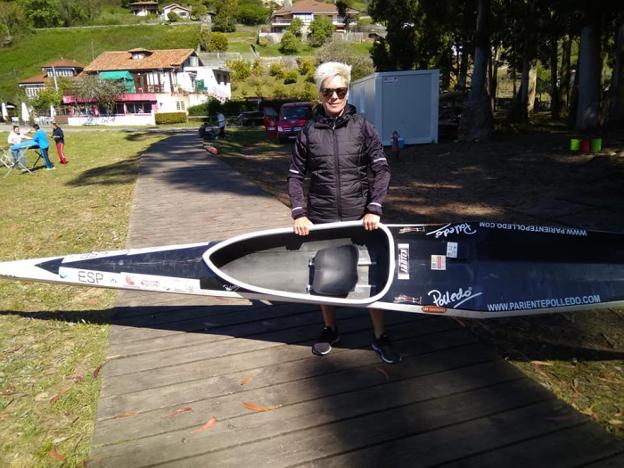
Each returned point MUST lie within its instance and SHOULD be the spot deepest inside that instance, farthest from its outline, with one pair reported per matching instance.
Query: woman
(337, 148)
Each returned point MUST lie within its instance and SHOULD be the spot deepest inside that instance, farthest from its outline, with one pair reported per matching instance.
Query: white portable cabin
(405, 101)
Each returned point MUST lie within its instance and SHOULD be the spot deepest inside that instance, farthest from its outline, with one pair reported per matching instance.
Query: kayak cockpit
(342, 262)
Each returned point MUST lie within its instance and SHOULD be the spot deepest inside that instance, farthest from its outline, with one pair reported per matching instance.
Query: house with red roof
(160, 80)
(306, 11)
(51, 72)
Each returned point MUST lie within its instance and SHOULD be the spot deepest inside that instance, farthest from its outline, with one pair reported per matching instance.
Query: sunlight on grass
(53, 338)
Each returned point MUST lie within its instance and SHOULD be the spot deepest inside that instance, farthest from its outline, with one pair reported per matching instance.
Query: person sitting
(16, 136)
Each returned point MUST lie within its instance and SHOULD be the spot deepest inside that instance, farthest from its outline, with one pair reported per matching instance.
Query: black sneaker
(324, 343)
(383, 347)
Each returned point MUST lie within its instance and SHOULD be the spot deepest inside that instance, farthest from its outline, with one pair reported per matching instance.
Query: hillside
(83, 44)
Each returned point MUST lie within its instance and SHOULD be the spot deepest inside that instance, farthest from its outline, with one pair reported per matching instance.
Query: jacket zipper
(337, 171)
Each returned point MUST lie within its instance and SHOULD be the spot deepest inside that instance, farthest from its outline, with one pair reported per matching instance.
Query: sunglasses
(329, 92)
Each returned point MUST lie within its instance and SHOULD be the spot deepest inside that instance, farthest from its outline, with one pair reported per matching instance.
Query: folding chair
(6, 158)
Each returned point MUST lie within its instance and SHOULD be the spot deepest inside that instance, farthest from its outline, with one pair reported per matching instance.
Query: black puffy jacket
(337, 155)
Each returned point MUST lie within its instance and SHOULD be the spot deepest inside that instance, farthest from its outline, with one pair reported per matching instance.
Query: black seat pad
(335, 271)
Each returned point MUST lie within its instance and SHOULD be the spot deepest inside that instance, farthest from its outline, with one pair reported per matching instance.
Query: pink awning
(123, 98)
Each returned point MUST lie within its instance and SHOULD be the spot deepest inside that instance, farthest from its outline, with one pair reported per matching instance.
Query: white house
(165, 80)
(306, 11)
(144, 8)
(182, 11)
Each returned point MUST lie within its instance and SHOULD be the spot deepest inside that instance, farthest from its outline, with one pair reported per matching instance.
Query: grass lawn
(53, 338)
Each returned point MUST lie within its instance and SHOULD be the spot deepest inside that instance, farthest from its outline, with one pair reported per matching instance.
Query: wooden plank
(285, 372)
(575, 446)
(261, 358)
(302, 432)
(446, 444)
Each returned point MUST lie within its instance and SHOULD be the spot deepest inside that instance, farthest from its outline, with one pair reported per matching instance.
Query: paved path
(213, 382)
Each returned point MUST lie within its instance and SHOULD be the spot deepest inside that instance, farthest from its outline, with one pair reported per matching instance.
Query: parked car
(250, 118)
(291, 119)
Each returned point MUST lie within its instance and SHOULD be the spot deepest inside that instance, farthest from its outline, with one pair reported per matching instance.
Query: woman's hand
(302, 226)
(370, 221)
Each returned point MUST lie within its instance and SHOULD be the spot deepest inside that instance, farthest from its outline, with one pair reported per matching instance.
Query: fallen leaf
(56, 397)
(42, 396)
(209, 425)
(383, 372)
(253, 407)
(75, 378)
(14, 350)
(55, 455)
(246, 380)
(183, 409)
(542, 363)
(97, 370)
(125, 414)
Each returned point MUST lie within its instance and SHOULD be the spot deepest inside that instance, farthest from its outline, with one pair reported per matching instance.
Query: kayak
(472, 269)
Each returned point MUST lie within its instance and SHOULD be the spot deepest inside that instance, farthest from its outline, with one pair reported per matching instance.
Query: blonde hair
(329, 70)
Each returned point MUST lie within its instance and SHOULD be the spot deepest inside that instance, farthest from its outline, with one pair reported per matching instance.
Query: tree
(321, 29)
(225, 19)
(172, 17)
(337, 51)
(589, 71)
(252, 12)
(45, 98)
(213, 41)
(103, 92)
(616, 108)
(12, 22)
(343, 7)
(289, 45)
(42, 13)
(295, 27)
(476, 120)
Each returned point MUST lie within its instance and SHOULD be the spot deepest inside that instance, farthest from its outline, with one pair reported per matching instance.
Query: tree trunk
(522, 103)
(554, 86)
(493, 77)
(532, 88)
(566, 75)
(588, 110)
(476, 119)
(463, 68)
(616, 109)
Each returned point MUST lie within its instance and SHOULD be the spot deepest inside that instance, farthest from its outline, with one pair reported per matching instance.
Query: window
(180, 105)
(139, 107)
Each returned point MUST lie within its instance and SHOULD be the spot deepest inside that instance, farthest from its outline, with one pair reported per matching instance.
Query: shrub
(276, 69)
(257, 68)
(241, 69)
(295, 27)
(172, 17)
(305, 65)
(289, 45)
(213, 41)
(321, 29)
(291, 76)
(170, 117)
(263, 42)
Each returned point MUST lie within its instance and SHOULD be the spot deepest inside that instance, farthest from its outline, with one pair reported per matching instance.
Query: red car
(291, 119)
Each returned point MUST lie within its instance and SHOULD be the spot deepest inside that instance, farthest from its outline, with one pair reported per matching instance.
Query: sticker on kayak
(403, 261)
(451, 249)
(438, 262)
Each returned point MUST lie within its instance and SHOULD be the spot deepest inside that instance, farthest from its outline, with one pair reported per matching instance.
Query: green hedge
(170, 117)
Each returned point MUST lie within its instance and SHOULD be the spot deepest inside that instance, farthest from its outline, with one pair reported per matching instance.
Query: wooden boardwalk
(213, 382)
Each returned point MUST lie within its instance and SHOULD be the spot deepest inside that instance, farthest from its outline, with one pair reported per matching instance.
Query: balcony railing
(150, 89)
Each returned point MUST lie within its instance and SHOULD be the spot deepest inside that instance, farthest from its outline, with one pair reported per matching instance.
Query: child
(395, 145)
(42, 141)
